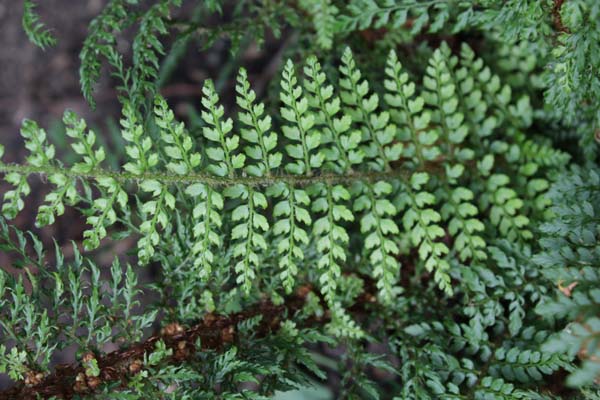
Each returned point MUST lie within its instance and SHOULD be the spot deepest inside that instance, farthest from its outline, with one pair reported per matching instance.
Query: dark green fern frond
(36, 30)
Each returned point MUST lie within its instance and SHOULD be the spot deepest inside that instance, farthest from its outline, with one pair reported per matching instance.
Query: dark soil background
(40, 84)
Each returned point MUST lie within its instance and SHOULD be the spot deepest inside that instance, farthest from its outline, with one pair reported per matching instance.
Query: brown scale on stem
(558, 24)
(135, 366)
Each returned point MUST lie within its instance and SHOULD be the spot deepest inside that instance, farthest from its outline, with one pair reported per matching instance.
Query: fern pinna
(348, 200)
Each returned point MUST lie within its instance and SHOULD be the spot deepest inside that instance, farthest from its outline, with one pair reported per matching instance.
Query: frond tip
(36, 30)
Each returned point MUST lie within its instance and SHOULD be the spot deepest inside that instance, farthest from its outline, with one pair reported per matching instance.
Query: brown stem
(214, 331)
(558, 24)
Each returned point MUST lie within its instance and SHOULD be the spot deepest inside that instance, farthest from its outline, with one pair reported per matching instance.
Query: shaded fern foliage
(409, 206)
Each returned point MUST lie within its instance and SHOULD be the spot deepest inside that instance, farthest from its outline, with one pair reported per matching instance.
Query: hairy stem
(170, 179)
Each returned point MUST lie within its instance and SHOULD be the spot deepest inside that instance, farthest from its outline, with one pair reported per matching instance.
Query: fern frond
(324, 15)
(351, 190)
(101, 40)
(568, 260)
(257, 130)
(36, 31)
